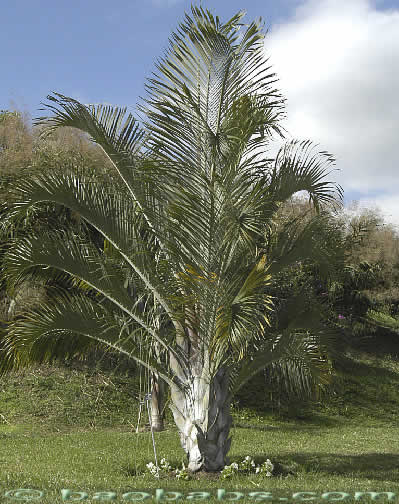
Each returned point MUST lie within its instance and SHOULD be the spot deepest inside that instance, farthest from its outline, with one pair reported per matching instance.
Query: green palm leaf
(296, 169)
(53, 331)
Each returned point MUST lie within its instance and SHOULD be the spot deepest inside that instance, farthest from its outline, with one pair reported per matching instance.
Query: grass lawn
(74, 428)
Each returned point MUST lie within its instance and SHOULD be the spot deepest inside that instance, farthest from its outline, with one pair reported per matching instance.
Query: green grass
(72, 427)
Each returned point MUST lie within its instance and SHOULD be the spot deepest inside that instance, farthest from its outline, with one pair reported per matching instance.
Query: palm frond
(200, 103)
(297, 169)
(122, 141)
(241, 318)
(306, 374)
(320, 241)
(62, 251)
(110, 212)
(104, 124)
(300, 339)
(292, 348)
(54, 330)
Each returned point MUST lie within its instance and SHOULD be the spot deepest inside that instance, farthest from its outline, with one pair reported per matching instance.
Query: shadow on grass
(360, 368)
(315, 422)
(373, 466)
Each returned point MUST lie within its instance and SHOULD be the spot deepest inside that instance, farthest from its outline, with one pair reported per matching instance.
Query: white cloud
(338, 65)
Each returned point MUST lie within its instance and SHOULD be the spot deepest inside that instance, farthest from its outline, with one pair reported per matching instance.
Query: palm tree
(188, 215)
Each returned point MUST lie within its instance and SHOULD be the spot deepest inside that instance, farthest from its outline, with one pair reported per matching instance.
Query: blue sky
(96, 50)
(337, 61)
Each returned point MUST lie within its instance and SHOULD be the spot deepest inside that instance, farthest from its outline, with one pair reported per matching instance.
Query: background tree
(369, 282)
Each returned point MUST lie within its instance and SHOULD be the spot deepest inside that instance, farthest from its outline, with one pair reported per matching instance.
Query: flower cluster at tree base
(246, 466)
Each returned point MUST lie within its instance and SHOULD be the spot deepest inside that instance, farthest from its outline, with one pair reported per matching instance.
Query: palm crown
(188, 215)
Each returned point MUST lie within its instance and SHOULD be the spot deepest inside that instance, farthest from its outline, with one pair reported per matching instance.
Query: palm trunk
(202, 415)
(157, 402)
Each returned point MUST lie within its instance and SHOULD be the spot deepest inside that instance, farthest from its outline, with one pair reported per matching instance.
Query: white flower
(182, 474)
(269, 465)
(165, 465)
(265, 468)
(248, 463)
(228, 471)
(154, 470)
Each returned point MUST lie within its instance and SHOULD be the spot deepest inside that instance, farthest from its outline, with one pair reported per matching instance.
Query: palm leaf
(320, 241)
(79, 259)
(107, 212)
(296, 169)
(52, 331)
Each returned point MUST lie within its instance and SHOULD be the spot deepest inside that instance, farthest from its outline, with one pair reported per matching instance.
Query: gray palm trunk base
(202, 415)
